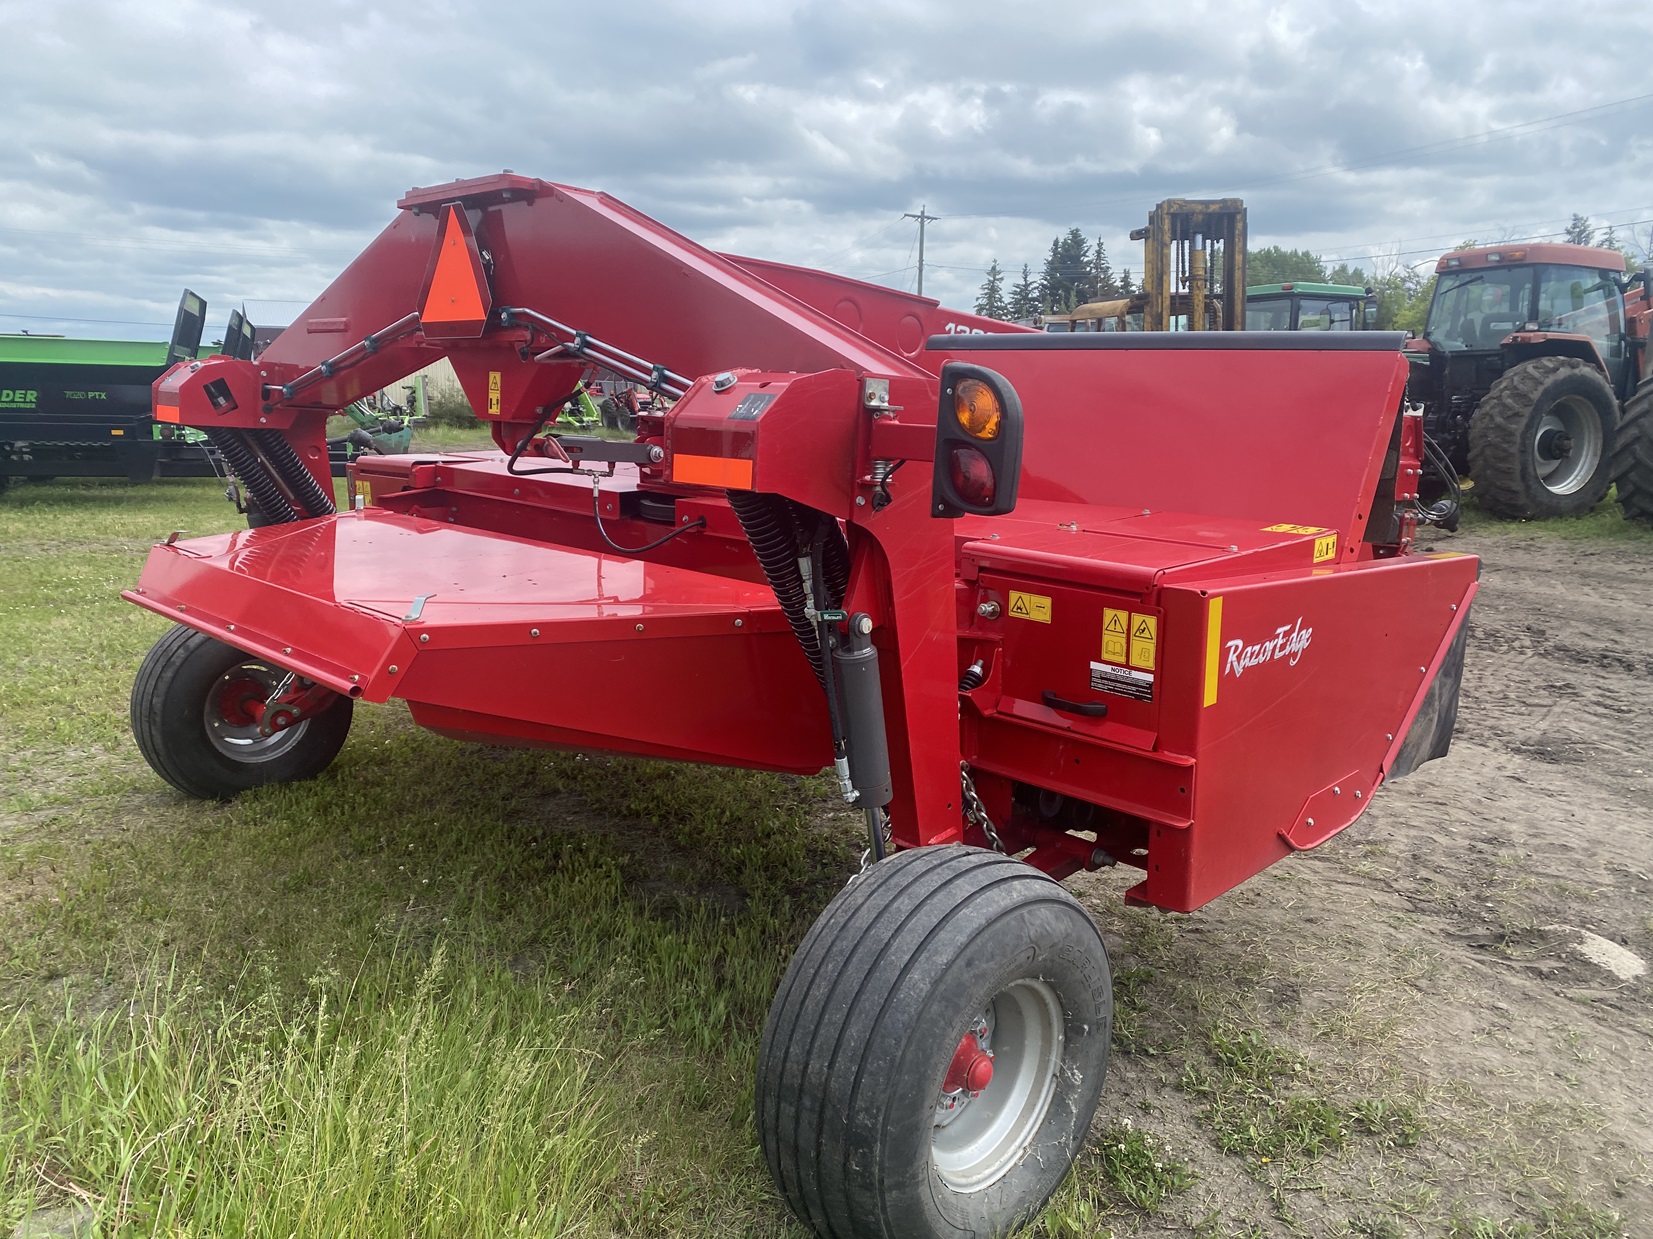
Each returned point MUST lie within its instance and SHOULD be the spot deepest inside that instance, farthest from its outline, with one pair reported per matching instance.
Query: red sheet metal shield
(456, 298)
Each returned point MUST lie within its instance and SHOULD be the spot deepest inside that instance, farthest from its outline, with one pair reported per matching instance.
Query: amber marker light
(976, 405)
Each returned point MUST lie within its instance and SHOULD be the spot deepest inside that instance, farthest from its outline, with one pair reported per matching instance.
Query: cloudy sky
(250, 150)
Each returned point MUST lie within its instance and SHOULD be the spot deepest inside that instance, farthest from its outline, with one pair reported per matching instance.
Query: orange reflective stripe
(712, 471)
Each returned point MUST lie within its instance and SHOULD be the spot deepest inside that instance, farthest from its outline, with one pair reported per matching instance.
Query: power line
(69, 318)
(1459, 233)
(1531, 236)
(866, 240)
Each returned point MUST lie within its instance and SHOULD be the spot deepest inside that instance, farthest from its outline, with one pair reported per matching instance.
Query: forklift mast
(1187, 239)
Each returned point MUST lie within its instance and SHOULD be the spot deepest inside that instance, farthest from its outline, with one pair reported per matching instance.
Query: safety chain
(866, 854)
(975, 810)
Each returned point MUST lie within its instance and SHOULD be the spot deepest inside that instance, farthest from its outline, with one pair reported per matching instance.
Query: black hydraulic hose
(254, 476)
(699, 522)
(824, 637)
(300, 481)
(834, 564)
(771, 529)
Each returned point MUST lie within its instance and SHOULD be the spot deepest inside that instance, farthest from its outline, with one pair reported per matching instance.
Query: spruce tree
(1024, 296)
(990, 301)
(1074, 268)
(1103, 284)
(1050, 281)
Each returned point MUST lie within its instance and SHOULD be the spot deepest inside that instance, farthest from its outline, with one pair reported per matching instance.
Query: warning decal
(1304, 529)
(1325, 547)
(1144, 640)
(1122, 681)
(1116, 635)
(1030, 606)
(493, 393)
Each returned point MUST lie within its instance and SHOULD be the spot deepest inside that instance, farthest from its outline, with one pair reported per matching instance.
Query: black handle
(1090, 709)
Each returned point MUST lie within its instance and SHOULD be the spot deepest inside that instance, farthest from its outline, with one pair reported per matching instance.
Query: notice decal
(1122, 681)
(1288, 645)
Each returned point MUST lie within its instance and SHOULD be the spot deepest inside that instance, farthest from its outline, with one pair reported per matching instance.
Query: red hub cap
(971, 1069)
(241, 702)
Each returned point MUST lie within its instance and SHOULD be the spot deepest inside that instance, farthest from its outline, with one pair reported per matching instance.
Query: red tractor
(1528, 371)
(1104, 618)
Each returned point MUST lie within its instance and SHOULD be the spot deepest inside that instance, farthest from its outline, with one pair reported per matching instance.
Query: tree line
(1076, 271)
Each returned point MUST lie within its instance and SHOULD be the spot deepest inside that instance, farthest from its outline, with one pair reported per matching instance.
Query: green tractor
(1528, 372)
(1304, 306)
(81, 408)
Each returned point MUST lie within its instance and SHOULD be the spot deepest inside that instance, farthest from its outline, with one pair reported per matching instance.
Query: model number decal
(1288, 644)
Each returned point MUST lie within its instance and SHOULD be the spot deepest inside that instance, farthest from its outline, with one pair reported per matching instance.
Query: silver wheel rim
(235, 736)
(980, 1137)
(1567, 445)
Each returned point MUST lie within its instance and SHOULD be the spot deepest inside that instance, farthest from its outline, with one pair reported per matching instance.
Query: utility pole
(923, 218)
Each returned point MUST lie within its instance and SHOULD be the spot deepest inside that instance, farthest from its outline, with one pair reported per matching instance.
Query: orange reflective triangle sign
(456, 294)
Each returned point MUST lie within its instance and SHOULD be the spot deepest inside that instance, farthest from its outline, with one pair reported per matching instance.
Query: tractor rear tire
(1633, 458)
(1541, 442)
(189, 737)
(921, 968)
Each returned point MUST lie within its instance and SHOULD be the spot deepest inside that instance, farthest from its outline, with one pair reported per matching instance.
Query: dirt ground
(1478, 944)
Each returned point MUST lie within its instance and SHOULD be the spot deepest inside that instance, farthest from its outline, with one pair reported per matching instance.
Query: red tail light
(972, 477)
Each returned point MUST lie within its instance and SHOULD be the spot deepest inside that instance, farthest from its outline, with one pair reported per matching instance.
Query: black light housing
(978, 461)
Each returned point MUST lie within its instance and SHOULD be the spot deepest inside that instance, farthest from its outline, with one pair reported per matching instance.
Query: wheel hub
(1554, 444)
(998, 1086)
(1567, 445)
(969, 1073)
(240, 721)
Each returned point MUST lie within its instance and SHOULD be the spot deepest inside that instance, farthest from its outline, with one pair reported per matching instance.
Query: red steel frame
(1227, 500)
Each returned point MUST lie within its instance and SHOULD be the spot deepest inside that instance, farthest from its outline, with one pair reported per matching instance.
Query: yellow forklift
(1193, 274)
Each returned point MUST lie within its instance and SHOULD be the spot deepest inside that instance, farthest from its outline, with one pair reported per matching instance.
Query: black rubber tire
(1633, 458)
(1502, 452)
(168, 703)
(866, 1021)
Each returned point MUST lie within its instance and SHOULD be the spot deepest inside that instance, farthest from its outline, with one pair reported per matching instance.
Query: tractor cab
(1301, 306)
(1573, 295)
(1527, 355)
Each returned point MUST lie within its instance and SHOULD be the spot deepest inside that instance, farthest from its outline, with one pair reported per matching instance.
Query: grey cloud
(276, 139)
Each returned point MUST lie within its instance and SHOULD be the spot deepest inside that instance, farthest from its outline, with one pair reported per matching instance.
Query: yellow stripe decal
(1213, 648)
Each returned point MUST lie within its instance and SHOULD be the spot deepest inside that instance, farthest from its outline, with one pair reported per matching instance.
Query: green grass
(1123, 1171)
(545, 976)
(401, 1100)
(1604, 521)
(448, 990)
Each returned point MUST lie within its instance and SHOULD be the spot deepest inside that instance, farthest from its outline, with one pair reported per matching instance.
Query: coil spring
(299, 480)
(246, 466)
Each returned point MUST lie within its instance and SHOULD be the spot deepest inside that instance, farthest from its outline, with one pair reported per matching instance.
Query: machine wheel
(190, 720)
(1541, 442)
(935, 1052)
(1633, 457)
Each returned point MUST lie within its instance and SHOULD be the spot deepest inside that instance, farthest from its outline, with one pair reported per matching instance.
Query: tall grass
(460, 1104)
